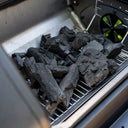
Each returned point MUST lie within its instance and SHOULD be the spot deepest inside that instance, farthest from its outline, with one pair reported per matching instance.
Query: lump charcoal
(69, 34)
(93, 44)
(61, 62)
(112, 65)
(52, 56)
(35, 84)
(44, 39)
(45, 78)
(42, 95)
(58, 71)
(52, 107)
(111, 50)
(18, 58)
(58, 45)
(69, 82)
(100, 38)
(68, 61)
(19, 54)
(93, 65)
(83, 64)
(80, 41)
(35, 92)
(94, 75)
(53, 62)
(38, 56)
(71, 58)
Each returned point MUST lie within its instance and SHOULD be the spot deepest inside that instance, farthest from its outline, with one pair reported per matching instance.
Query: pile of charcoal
(53, 69)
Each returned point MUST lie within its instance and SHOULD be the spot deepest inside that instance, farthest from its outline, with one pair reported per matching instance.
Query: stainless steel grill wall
(18, 18)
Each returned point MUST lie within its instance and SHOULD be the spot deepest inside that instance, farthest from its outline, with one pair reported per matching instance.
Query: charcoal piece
(42, 95)
(43, 75)
(83, 64)
(52, 107)
(58, 71)
(18, 59)
(80, 41)
(44, 39)
(69, 82)
(93, 66)
(69, 34)
(35, 92)
(111, 50)
(93, 44)
(68, 61)
(112, 66)
(61, 62)
(35, 84)
(94, 75)
(38, 56)
(100, 38)
(19, 54)
(53, 62)
(72, 58)
(58, 45)
(52, 56)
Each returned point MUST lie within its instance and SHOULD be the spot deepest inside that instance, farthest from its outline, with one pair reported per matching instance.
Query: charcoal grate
(82, 90)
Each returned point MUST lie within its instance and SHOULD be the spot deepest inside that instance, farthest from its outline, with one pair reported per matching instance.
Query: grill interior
(82, 91)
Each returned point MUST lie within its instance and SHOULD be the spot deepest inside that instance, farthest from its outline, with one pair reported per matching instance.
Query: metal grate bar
(84, 83)
(79, 91)
(126, 10)
(51, 118)
(42, 104)
(60, 110)
(82, 87)
(100, 1)
(56, 114)
(99, 8)
(126, 19)
(76, 95)
(73, 99)
(124, 26)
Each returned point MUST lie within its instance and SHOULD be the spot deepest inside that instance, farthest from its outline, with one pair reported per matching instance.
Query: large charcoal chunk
(93, 44)
(58, 45)
(58, 71)
(100, 38)
(18, 58)
(69, 82)
(69, 34)
(111, 50)
(112, 65)
(38, 56)
(43, 75)
(93, 65)
(80, 41)
(83, 63)
(44, 39)
(52, 107)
